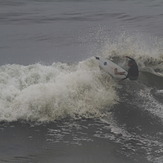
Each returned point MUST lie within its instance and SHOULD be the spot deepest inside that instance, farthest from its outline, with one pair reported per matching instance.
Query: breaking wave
(45, 93)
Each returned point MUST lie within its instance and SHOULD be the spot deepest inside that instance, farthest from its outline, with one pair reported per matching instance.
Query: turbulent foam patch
(45, 93)
(150, 103)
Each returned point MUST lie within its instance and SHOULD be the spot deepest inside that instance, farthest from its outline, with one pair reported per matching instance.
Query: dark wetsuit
(133, 71)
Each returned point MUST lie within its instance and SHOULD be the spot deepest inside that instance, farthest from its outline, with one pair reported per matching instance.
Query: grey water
(67, 31)
(56, 105)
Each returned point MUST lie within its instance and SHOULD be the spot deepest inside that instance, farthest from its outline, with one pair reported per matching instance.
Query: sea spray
(146, 50)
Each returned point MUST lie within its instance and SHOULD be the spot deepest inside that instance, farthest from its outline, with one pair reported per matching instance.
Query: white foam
(150, 103)
(159, 91)
(45, 93)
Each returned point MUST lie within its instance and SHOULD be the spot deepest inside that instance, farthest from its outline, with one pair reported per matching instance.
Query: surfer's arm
(128, 74)
(118, 73)
(124, 78)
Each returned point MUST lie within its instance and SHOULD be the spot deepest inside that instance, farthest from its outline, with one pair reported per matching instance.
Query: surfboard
(109, 67)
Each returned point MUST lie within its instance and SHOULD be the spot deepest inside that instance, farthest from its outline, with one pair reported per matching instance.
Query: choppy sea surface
(56, 105)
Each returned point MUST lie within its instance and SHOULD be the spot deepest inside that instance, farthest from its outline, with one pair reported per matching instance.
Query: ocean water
(56, 105)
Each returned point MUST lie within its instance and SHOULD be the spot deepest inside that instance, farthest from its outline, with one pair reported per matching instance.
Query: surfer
(133, 71)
